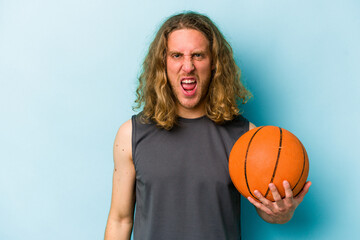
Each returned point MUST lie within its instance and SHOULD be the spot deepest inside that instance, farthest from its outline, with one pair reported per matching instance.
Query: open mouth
(189, 85)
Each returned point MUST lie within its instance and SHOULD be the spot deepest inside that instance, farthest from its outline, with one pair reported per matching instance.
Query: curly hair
(225, 90)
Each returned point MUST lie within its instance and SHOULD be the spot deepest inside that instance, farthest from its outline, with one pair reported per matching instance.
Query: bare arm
(282, 210)
(120, 220)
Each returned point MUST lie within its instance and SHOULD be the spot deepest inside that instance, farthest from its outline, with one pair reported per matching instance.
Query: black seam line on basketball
(302, 171)
(276, 164)
(247, 150)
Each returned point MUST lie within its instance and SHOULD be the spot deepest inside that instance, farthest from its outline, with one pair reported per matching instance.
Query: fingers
(259, 205)
(276, 195)
(280, 204)
(303, 192)
(289, 195)
(287, 188)
(307, 186)
(265, 202)
(261, 197)
(282, 209)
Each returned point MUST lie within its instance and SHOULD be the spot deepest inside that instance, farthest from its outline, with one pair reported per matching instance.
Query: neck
(190, 113)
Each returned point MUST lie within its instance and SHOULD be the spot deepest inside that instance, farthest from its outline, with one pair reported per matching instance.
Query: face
(188, 65)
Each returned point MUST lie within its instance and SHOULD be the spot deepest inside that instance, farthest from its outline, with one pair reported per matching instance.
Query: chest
(194, 158)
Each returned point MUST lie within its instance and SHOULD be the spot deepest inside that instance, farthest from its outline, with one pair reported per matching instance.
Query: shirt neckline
(182, 119)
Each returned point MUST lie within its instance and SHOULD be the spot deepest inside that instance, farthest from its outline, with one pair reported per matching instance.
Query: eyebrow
(195, 52)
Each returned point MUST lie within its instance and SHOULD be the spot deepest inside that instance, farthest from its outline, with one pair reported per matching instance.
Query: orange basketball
(266, 155)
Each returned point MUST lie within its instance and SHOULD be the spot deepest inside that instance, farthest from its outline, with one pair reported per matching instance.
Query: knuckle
(291, 207)
(282, 209)
(270, 213)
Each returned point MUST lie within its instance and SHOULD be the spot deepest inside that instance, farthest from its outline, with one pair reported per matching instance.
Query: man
(172, 158)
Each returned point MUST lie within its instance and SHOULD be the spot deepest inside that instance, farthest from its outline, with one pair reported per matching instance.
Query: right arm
(120, 220)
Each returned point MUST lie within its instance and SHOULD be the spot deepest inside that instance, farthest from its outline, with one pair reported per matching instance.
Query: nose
(188, 65)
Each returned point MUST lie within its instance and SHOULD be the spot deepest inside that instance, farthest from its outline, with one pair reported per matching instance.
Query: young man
(172, 158)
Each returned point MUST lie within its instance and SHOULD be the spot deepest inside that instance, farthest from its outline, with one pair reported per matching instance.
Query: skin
(120, 220)
(188, 56)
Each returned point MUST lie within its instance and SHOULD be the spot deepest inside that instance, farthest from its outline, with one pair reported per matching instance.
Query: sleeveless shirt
(183, 188)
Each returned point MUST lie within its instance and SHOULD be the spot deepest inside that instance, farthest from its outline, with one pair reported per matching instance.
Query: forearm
(118, 230)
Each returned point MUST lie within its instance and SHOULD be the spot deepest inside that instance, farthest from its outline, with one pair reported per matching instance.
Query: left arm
(282, 209)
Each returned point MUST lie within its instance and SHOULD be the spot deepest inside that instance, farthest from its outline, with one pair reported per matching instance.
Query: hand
(281, 210)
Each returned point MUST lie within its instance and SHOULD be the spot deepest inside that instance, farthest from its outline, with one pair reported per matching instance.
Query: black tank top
(183, 187)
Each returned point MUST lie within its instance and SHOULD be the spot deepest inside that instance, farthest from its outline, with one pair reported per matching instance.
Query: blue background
(68, 72)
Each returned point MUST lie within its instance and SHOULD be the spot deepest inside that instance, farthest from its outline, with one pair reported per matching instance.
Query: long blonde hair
(225, 90)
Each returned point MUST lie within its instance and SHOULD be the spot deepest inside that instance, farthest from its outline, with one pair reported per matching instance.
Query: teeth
(187, 81)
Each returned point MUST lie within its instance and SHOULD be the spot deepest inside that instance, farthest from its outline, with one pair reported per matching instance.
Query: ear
(213, 65)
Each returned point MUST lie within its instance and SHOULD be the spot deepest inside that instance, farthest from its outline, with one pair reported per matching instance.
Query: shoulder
(122, 143)
(241, 121)
(124, 130)
(236, 127)
(238, 120)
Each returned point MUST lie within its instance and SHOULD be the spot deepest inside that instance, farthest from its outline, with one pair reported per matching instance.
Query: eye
(176, 55)
(198, 55)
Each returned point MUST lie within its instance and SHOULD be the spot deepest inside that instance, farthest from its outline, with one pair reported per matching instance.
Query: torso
(183, 188)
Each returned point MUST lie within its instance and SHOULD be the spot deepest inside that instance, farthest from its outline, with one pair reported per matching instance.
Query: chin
(190, 105)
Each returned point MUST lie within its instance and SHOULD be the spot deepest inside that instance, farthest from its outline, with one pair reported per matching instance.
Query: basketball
(266, 155)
